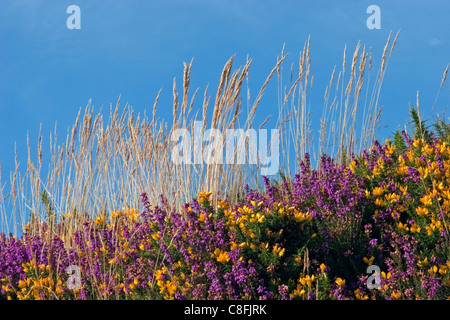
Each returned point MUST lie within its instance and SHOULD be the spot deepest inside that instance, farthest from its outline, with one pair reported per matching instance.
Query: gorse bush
(311, 237)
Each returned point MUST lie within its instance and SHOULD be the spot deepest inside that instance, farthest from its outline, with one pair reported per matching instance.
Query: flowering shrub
(311, 237)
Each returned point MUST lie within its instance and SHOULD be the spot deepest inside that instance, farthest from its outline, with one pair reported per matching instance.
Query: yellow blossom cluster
(37, 285)
(433, 209)
(305, 283)
(168, 285)
(220, 256)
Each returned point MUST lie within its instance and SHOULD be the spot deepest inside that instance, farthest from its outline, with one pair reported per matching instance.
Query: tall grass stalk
(105, 164)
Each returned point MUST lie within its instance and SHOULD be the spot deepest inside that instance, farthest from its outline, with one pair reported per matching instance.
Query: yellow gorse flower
(423, 263)
(369, 261)
(415, 228)
(402, 170)
(392, 197)
(352, 166)
(377, 191)
(202, 217)
(396, 294)
(156, 236)
(432, 271)
(223, 204)
(443, 269)
(426, 200)
(300, 216)
(204, 196)
(221, 256)
(402, 226)
(418, 142)
(257, 218)
(428, 150)
(380, 202)
(340, 282)
(359, 296)
(307, 280)
(390, 149)
(100, 220)
(430, 229)
(27, 227)
(279, 251)
(22, 284)
(422, 211)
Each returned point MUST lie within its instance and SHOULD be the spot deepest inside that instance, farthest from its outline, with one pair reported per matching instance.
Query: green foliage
(48, 205)
(399, 142)
(442, 129)
(420, 129)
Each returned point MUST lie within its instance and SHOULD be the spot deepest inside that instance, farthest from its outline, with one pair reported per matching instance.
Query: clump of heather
(194, 253)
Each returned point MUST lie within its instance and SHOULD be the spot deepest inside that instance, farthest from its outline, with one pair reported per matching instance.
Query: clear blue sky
(134, 48)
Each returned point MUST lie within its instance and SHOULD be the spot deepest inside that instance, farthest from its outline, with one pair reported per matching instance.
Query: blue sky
(134, 48)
